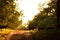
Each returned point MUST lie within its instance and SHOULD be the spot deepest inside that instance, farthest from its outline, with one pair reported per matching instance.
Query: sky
(30, 8)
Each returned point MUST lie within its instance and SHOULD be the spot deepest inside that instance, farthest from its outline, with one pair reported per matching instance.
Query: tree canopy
(46, 18)
(8, 14)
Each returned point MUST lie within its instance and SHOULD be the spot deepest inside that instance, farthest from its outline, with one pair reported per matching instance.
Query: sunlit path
(19, 35)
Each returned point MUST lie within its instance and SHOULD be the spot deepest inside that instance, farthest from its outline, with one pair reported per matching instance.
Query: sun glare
(30, 8)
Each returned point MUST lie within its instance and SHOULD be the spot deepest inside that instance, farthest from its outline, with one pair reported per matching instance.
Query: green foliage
(46, 18)
(8, 14)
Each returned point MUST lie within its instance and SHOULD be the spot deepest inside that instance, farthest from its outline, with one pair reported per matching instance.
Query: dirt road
(19, 35)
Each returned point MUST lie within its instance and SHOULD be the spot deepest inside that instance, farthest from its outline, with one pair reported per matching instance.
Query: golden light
(30, 8)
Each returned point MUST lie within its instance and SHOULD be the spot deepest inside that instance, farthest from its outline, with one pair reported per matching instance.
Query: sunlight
(30, 8)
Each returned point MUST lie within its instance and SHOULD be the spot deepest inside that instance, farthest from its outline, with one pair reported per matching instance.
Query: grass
(3, 33)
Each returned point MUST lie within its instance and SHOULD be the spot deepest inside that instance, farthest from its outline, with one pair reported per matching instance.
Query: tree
(8, 14)
(47, 17)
